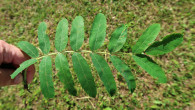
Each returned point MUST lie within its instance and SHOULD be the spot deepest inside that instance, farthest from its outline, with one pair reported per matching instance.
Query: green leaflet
(168, 44)
(104, 72)
(24, 65)
(61, 37)
(64, 74)
(151, 67)
(77, 33)
(45, 76)
(146, 38)
(118, 39)
(98, 32)
(125, 71)
(28, 48)
(84, 74)
(43, 38)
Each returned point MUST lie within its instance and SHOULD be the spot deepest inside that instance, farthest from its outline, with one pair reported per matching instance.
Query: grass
(19, 21)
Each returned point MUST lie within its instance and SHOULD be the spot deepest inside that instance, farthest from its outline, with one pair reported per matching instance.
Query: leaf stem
(91, 103)
(69, 51)
(50, 54)
(85, 51)
(83, 98)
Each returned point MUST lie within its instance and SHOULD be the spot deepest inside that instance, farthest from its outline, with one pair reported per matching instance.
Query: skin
(12, 56)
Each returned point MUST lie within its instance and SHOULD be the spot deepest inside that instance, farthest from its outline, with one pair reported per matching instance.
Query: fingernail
(18, 79)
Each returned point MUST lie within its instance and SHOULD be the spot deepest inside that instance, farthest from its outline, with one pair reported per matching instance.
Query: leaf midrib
(29, 49)
(96, 36)
(102, 70)
(46, 76)
(118, 40)
(151, 69)
(144, 41)
(61, 35)
(67, 83)
(44, 37)
(83, 71)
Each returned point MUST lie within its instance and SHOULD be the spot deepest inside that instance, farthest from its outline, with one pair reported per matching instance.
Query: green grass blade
(24, 65)
(125, 71)
(64, 74)
(146, 38)
(151, 67)
(168, 44)
(104, 72)
(84, 74)
(98, 32)
(61, 36)
(118, 39)
(43, 38)
(45, 76)
(77, 33)
(28, 48)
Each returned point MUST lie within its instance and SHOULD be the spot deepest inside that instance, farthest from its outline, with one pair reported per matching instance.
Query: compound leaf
(146, 38)
(118, 39)
(45, 76)
(43, 38)
(125, 71)
(61, 37)
(28, 48)
(151, 67)
(77, 33)
(64, 74)
(98, 32)
(24, 65)
(104, 72)
(84, 74)
(168, 44)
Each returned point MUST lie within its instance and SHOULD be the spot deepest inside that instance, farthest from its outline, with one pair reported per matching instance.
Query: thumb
(5, 78)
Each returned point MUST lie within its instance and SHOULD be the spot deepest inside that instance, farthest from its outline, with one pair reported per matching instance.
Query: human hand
(10, 59)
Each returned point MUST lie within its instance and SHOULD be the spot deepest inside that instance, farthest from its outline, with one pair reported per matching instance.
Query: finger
(30, 73)
(5, 78)
(12, 54)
